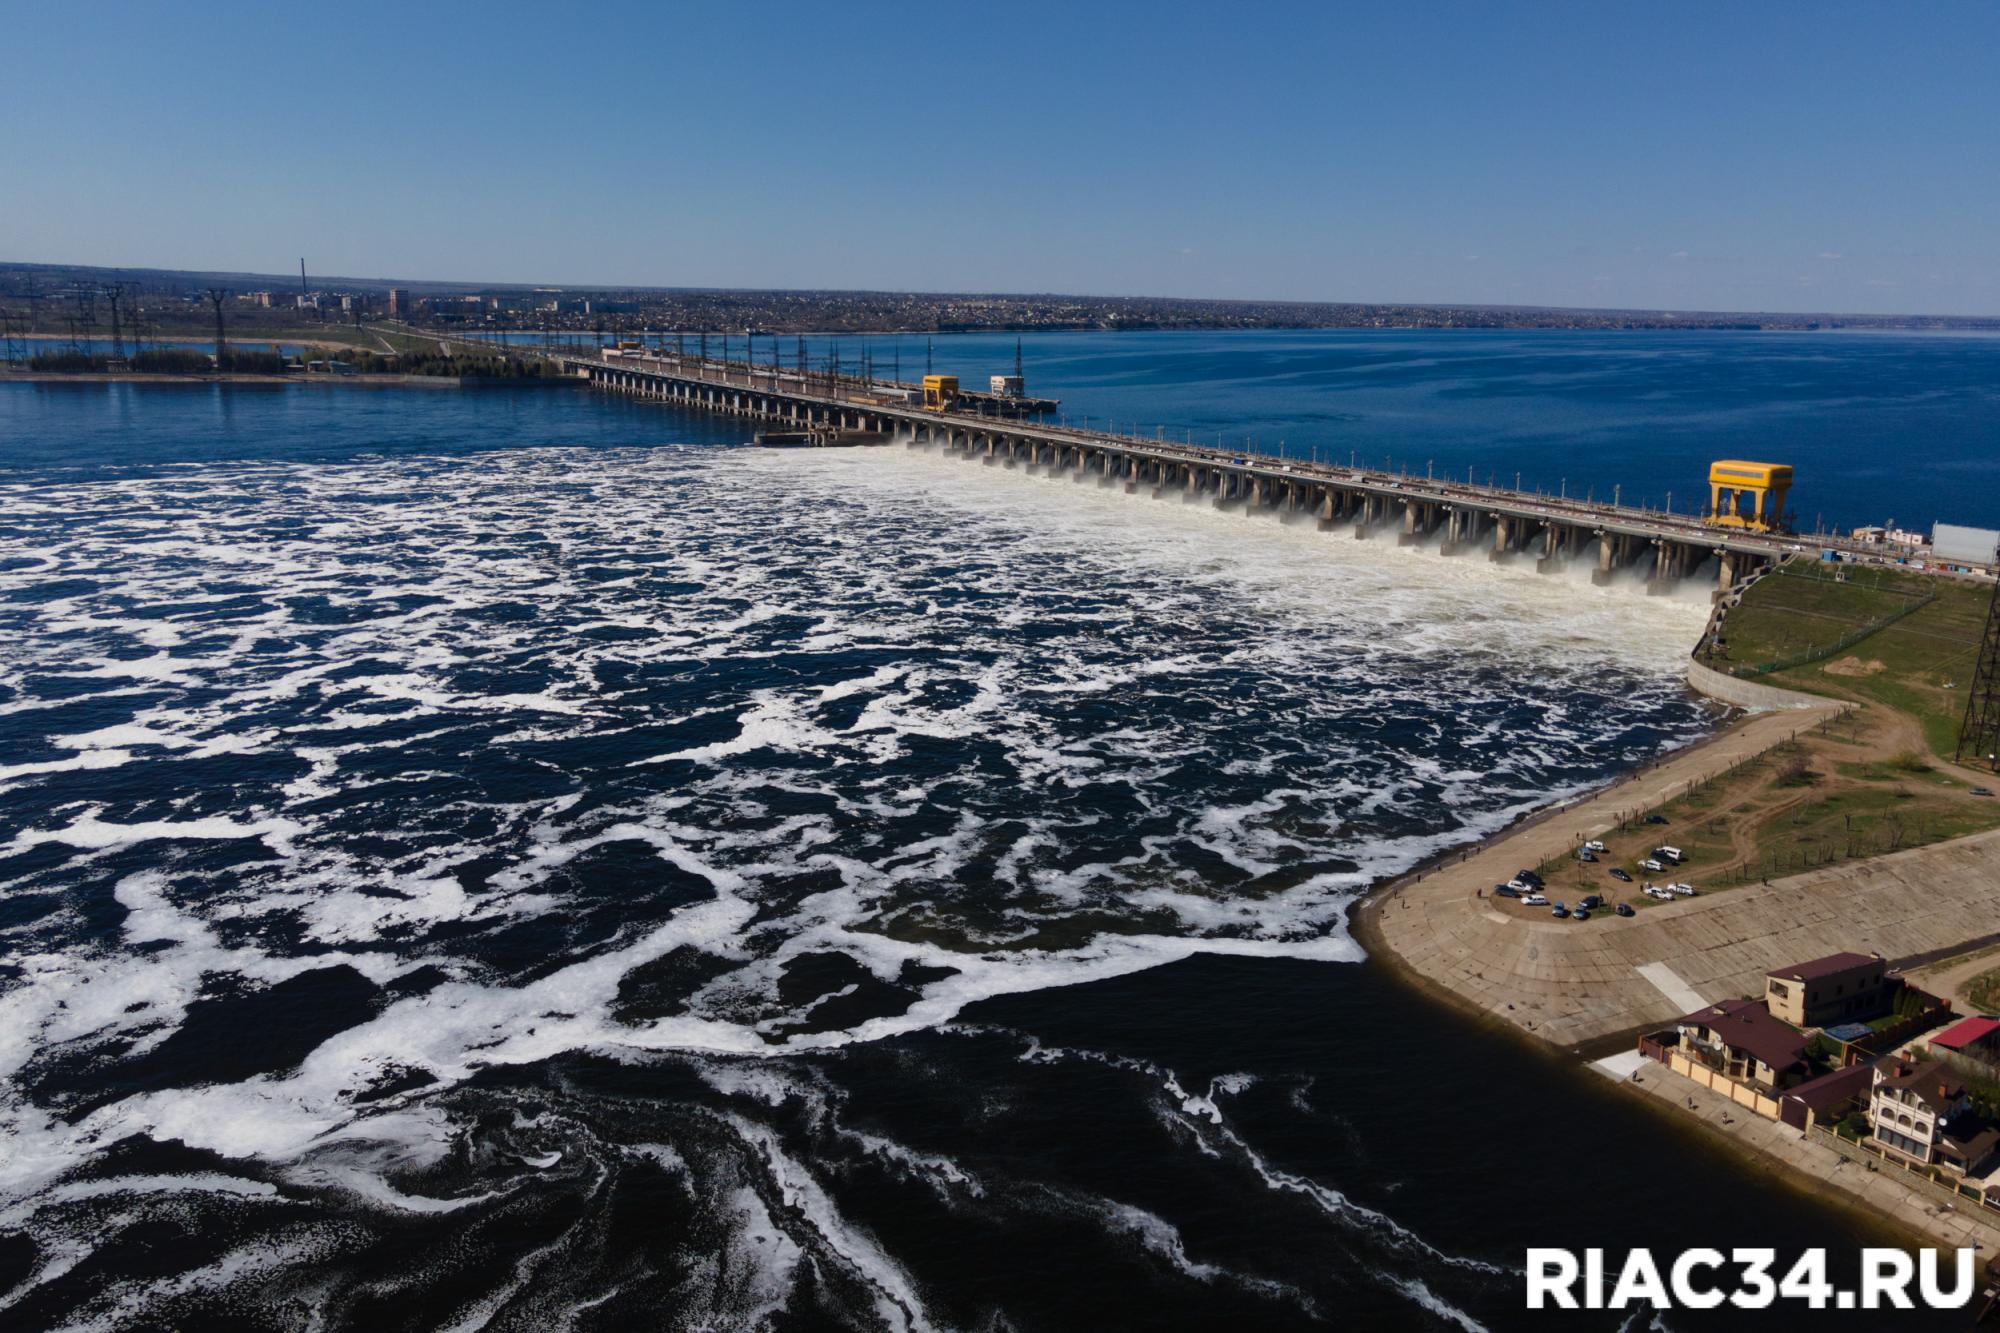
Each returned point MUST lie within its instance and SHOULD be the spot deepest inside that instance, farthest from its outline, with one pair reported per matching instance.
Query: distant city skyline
(1603, 156)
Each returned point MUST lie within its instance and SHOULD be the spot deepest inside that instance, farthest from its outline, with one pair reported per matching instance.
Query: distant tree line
(161, 361)
(252, 363)
(68, 362)
(187, 361)
(173, 361)
(439, 364)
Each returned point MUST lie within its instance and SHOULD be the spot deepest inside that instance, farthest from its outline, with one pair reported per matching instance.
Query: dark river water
(520, 859)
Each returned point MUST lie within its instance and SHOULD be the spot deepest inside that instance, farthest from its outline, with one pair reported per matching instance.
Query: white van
(1669, 854)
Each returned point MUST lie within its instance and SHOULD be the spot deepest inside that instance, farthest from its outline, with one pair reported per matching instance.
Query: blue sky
(1721, 156)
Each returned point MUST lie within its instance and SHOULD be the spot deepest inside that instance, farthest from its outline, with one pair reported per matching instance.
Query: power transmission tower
(1979, 734)
(114, 292)
(216, 296)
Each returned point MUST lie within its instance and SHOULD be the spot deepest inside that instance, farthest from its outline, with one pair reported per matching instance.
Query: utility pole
(216, 296)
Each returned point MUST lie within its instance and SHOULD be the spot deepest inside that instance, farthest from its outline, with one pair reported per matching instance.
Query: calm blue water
(513, 857)
(1879, 426)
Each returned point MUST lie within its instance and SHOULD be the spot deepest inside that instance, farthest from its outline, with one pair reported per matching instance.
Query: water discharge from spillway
(444, 773)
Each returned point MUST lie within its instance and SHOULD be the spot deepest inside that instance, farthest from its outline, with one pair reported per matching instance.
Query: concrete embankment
(1748, 693)
(1570, 983)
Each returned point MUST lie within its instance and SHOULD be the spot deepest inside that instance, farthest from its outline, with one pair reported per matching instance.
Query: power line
(1979, 734)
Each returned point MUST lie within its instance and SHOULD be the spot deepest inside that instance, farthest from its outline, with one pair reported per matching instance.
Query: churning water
(624, 879)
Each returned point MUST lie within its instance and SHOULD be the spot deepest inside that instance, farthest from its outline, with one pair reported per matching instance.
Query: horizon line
(1302, 302)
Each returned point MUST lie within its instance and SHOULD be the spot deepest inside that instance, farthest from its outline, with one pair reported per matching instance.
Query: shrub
(172, 361)
(67, 363)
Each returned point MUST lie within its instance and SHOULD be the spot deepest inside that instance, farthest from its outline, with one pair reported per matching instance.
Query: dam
(1661, 547)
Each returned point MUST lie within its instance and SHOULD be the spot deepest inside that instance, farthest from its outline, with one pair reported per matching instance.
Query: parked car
(1617, 873)
(1579, 915)
(1656, 819)
(1534, 900)
(1593, 846)
(1591, 900)
(1559, 911)
(1656, 866)
(1672, 854)
(1530, 877)
(1505, 891)
(1982, 791)
(1585, 854)
(1624, 909)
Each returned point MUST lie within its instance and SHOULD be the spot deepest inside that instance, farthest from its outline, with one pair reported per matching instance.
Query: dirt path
(1950, 979)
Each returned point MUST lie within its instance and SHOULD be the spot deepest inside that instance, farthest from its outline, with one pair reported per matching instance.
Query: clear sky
(1825, 156)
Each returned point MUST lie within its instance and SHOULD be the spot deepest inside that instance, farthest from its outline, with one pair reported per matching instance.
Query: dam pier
(810, 407)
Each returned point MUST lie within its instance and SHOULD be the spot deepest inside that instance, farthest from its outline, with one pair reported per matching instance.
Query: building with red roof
(1970, 1036)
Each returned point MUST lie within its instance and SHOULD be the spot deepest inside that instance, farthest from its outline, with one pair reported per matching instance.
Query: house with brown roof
(1741, 1041)
(1922, 1113)
(1839, 988)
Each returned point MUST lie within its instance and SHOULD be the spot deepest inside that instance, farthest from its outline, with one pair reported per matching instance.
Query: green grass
(1919, 664)
(1984, 992)
(1802, 607)
(1927, 659)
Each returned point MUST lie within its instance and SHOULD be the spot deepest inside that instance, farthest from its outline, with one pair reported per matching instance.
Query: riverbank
(1800, 1161)
(1591, 988)
(316, 381)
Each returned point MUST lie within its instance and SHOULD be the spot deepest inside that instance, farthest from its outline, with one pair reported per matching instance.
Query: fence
(1745, 1096)
(1917, 1176)
(1841, 644)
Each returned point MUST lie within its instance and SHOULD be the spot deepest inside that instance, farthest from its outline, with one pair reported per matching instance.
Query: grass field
(1918, 665)
(1805, 607)
(1828, 797)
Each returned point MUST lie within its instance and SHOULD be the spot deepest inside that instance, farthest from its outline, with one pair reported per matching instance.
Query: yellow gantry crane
(940, 391)
(1748, 495)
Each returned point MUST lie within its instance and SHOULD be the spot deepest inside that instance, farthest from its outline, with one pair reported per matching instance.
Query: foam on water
(736, 758)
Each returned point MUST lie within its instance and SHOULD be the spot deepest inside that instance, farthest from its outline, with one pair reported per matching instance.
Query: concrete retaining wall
(1750, 693)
